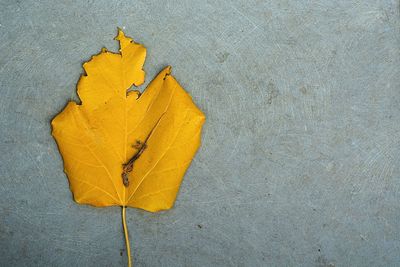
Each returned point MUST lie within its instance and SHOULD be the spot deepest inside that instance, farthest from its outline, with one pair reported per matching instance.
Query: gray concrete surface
(300, 158)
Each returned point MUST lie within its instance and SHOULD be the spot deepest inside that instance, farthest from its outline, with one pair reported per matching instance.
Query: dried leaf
(123, 148)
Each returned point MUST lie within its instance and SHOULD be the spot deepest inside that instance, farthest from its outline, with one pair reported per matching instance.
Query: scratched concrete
(300, 158)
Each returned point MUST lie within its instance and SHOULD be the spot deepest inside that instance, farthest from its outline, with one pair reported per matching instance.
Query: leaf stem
(128, 247)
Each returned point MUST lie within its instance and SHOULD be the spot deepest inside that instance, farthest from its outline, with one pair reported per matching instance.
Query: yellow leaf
(121, 147)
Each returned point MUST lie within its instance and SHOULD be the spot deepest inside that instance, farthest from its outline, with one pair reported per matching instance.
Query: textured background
(300, 163)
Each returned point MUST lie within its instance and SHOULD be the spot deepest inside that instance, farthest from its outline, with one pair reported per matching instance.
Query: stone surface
(300, 158)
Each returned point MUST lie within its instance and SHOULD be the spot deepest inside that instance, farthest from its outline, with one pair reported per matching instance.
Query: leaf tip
(123, 39)
(120, 34)
(167, 71)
